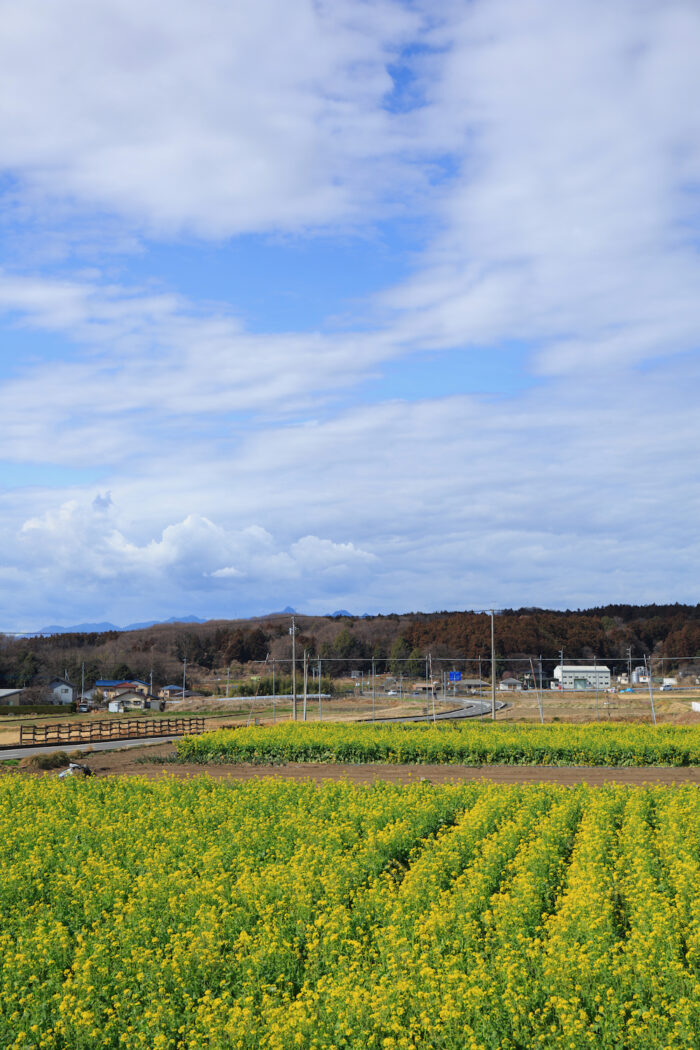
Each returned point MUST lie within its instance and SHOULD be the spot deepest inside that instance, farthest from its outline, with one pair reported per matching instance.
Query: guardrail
(109, 729)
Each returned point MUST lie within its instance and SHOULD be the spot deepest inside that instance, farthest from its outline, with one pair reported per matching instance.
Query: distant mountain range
(98, 628)
(105, 625)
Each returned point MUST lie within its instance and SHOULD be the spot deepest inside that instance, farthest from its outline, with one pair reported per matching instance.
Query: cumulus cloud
(102, 501)
(75, 549)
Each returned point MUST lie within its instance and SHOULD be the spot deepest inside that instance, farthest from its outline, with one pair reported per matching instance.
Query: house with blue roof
(112, 687)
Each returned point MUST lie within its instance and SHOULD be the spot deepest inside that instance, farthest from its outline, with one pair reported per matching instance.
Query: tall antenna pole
(493, 667)
(293, 632)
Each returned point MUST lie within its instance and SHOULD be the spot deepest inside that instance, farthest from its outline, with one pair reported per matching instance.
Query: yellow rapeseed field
(192, 914)
(469, 742)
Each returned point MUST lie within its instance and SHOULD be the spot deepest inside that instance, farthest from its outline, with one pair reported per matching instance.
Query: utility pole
(320, 710)
(228, 681)
(493, 666)
(184, 676)
(629, 665)
(539, 690)
(561, 668)
(293, 632)
(651, 690)
(82, 682)
(306, 680)
(595, 672)
(374, 692)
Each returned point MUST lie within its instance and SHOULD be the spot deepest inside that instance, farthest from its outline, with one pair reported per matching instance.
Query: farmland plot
(191, 914)
(594, 744)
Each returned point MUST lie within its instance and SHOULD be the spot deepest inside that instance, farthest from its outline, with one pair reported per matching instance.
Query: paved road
(468, 709)
(105, 745)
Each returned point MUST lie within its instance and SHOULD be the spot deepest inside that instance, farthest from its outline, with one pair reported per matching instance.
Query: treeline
(397, 643)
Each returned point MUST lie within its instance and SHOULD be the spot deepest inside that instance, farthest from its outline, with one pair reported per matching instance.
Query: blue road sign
(455, 676)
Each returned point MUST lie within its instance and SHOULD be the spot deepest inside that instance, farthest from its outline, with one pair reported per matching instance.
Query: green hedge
(37, 709)
(473, 744)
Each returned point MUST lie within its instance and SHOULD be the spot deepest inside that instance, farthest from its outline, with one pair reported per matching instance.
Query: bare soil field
(156, 761)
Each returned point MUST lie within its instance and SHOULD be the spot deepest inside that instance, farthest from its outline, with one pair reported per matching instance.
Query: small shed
(10, 697)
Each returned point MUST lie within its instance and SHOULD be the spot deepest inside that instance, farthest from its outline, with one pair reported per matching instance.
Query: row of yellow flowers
(470, 742)
(195, 914)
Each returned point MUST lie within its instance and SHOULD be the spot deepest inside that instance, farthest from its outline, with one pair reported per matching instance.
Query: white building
(581, 677)
(64, 692)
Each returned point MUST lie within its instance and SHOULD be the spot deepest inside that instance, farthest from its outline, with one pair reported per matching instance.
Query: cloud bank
(545, 159)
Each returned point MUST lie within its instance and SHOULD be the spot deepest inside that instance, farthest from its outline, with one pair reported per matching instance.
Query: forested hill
(348, 642)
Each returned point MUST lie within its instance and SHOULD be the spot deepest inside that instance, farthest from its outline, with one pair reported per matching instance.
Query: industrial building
(582, 677)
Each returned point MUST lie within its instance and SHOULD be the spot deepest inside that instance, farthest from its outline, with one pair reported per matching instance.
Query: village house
(131, 700)
(172, 692)
(112, 687)
(63, 692)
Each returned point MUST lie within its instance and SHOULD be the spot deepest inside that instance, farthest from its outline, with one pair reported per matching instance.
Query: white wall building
(64, 692)
(581, 677)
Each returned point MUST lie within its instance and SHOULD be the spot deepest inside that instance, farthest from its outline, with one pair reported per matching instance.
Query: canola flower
(469, 743)
(180, 915)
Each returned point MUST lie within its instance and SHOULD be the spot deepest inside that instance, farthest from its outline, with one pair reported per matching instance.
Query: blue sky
(375, 305)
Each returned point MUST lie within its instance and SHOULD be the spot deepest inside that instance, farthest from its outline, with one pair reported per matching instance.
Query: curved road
(468, 709)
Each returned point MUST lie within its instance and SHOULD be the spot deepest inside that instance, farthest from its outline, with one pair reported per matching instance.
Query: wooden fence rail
(109, 729)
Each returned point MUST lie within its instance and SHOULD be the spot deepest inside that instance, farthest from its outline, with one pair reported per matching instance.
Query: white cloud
(570, 226)
(218, 118)
(445, 503)
(150, 361)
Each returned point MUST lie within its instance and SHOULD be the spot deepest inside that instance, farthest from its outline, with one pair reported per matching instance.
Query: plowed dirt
(156, 761)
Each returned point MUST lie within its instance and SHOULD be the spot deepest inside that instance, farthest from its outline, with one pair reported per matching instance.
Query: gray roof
(573, 668)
